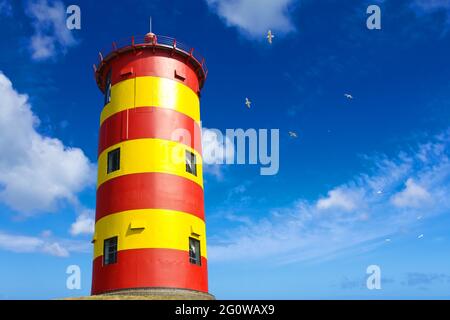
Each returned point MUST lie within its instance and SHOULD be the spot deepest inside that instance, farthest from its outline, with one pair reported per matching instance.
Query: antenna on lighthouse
(150, 37)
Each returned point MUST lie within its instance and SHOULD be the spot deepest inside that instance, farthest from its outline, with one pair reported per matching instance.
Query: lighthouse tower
(150, 221)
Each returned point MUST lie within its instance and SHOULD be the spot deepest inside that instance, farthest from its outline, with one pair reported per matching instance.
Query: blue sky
(365, 183)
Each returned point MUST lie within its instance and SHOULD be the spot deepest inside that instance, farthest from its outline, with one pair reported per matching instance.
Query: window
(113, 160)
(180, 75)
(108, 88)
(191, 163)
(194, 252)
(110, 251)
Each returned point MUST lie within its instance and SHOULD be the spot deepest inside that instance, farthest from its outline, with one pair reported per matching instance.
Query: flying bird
(293, 134)
(380, 192)
(270, 36)
(248, 103)
(388, 240)
(348, 96)
(420, 236)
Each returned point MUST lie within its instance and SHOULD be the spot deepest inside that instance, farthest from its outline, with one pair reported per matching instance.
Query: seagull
(248, 103)
(380, 192)
(388, 240)
(270, 36)
(419, 217)
(293, 134)
(420, 236)
(348, 96)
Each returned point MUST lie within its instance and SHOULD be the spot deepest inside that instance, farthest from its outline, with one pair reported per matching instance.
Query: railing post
(132, 41)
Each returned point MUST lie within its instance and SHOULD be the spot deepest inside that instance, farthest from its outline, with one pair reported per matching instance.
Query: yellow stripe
(152, 92)
(150, 155)
(164, 229)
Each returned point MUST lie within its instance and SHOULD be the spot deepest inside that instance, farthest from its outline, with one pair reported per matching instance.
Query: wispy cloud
(255, 17)
(354, 216)
(431, 5)
(361, 283)
(45, 244)
(426, 7)
(36, 172)
(421, 279)
(51, 36)
(5, 8)
(412, 196)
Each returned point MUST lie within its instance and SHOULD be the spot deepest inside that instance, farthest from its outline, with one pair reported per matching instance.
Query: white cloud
(84, 224)
(337, 199)
(412, 196)
(358, 218)
(51, 36)
(255, 17)
(44, 244)
(36, 172)
(17, 243)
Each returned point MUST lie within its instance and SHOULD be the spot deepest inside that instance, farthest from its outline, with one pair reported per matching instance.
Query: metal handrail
(161, 41)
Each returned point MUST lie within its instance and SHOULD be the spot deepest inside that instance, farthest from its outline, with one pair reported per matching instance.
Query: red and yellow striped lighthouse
(150, 219)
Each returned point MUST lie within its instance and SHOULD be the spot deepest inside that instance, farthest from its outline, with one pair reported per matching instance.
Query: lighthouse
(150, 234)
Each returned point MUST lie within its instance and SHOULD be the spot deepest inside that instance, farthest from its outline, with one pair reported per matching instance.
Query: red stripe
(149, 190)
(144, 63)
(149, 268)
(149, 122)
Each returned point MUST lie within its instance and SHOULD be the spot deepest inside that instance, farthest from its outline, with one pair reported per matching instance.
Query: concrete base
(153, 294)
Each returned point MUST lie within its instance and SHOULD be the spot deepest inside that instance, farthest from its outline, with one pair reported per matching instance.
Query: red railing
(161, 41)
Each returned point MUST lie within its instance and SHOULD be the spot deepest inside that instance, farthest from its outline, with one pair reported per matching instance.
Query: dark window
(194, 252)
(180, 75)
(108, 88)
(113, 160)
(191, 163)
(110, 251)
